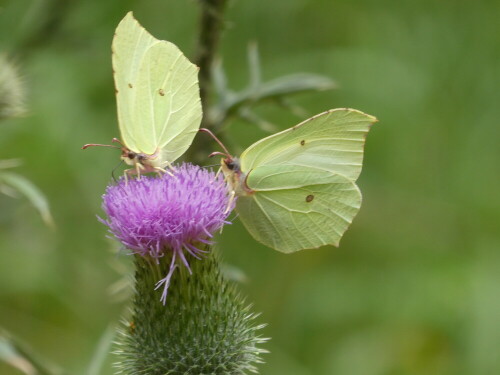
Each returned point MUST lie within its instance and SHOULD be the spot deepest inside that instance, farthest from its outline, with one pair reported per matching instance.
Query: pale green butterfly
(296, 189)
(157, 95)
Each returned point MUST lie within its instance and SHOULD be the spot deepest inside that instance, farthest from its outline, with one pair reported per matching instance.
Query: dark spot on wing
(161, 92)
(309, 198)
(302, 142)
(130, 85)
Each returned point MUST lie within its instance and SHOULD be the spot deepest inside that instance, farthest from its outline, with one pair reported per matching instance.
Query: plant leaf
(254, 65)
(10, 163)
(30, 191)
(101, 351)
(13, 352)
(247, 114)
(293, 84)
(276, 89)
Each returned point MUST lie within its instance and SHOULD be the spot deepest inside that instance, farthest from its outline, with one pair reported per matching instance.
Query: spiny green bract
(205, 328)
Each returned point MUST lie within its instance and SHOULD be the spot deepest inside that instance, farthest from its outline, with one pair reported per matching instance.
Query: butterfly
(157, 96)
(296, 189)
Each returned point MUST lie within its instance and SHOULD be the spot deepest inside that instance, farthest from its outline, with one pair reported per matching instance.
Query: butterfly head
(231, 165)
(237, 179)
(133, 158)
(130, 157)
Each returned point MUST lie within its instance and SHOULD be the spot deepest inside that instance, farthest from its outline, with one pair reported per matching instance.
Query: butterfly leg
(159, 171)
(163, 170)
(218, 173)
(128, 173)
(170, 166)
(232, 194)
(138, 168)
(229, 184)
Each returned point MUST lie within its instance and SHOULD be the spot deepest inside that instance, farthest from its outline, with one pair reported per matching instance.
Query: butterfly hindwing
(295, 207)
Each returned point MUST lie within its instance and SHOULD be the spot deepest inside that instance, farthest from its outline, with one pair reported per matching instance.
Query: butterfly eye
(232, 165)
(131, 155)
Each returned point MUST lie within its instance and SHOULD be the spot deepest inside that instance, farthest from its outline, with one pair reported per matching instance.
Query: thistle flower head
(169, 215)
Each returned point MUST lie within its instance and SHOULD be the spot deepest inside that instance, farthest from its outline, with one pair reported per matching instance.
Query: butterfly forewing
(130, 43)
(332, 141)
(167, 107)
(157, 92)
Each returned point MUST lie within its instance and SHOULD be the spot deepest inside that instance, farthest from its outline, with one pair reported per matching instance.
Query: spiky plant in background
(12, 104)
(204, 326)
(11, 90)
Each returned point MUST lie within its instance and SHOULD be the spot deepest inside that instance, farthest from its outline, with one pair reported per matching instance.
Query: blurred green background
(414, 286)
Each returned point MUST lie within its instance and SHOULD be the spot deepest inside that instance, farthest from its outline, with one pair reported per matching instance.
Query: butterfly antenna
(99, 145)
(116, 140)
(219, 153)
(226, 152)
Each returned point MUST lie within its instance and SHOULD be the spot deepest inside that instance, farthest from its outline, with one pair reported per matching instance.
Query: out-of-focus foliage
(11, 90)
(14, 185)
(413, 288)
(239, 103)
(12, 105)
(23, 359)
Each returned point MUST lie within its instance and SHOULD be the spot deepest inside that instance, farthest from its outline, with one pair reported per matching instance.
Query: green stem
(204, 328)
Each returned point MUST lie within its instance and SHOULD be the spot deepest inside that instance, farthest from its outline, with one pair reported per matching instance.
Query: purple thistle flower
(173, 215)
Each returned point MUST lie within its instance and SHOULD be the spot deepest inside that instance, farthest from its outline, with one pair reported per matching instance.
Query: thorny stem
(211, 25)
(211, 22)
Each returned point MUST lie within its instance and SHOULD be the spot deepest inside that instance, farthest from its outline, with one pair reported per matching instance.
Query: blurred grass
(413, 289)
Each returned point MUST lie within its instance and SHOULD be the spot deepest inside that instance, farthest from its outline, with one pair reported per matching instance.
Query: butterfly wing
(167, 108)
(298, 207)
(157, 92)
(130, 43)
(332, 141)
